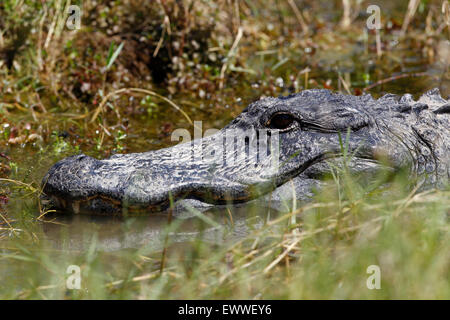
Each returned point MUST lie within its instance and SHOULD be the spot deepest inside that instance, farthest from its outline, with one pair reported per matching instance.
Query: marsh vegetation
(137, 70)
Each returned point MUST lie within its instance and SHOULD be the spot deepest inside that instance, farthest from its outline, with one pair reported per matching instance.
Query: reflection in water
(215, 225)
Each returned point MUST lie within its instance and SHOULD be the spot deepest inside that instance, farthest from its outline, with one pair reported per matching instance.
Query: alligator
(286, 143)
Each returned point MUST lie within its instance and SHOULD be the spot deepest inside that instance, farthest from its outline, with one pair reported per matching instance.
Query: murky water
(152, 231)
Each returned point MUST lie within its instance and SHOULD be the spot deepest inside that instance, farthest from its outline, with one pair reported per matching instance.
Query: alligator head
(273, 141)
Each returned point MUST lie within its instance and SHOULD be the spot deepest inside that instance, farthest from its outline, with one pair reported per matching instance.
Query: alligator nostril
(81, 157)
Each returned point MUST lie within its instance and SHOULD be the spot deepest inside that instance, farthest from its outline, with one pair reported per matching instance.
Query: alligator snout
(71, 176)
(76, 183)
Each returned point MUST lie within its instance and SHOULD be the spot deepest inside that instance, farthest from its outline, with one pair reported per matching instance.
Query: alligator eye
(281, 121)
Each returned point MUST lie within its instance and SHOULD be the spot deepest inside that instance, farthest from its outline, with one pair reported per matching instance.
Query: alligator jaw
(152, 181)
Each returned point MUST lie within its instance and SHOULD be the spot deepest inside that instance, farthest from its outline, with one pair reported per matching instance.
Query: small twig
(346, 20)
(161, 40)
(412, 8)
(281, 256)
(393, 78)
(29, 186)
(10, 227)
(378, 42)
(147, 276)
(166, 241)
(230, 54)
(410, 199)
(40, 36)
(128, 90)
(299, 16)
(347, 88)
(230, 215)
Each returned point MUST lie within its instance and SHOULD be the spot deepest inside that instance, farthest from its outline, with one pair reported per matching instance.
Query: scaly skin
(403, 131)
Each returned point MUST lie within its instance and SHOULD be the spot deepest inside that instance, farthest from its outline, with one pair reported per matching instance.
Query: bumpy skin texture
(406, 132)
